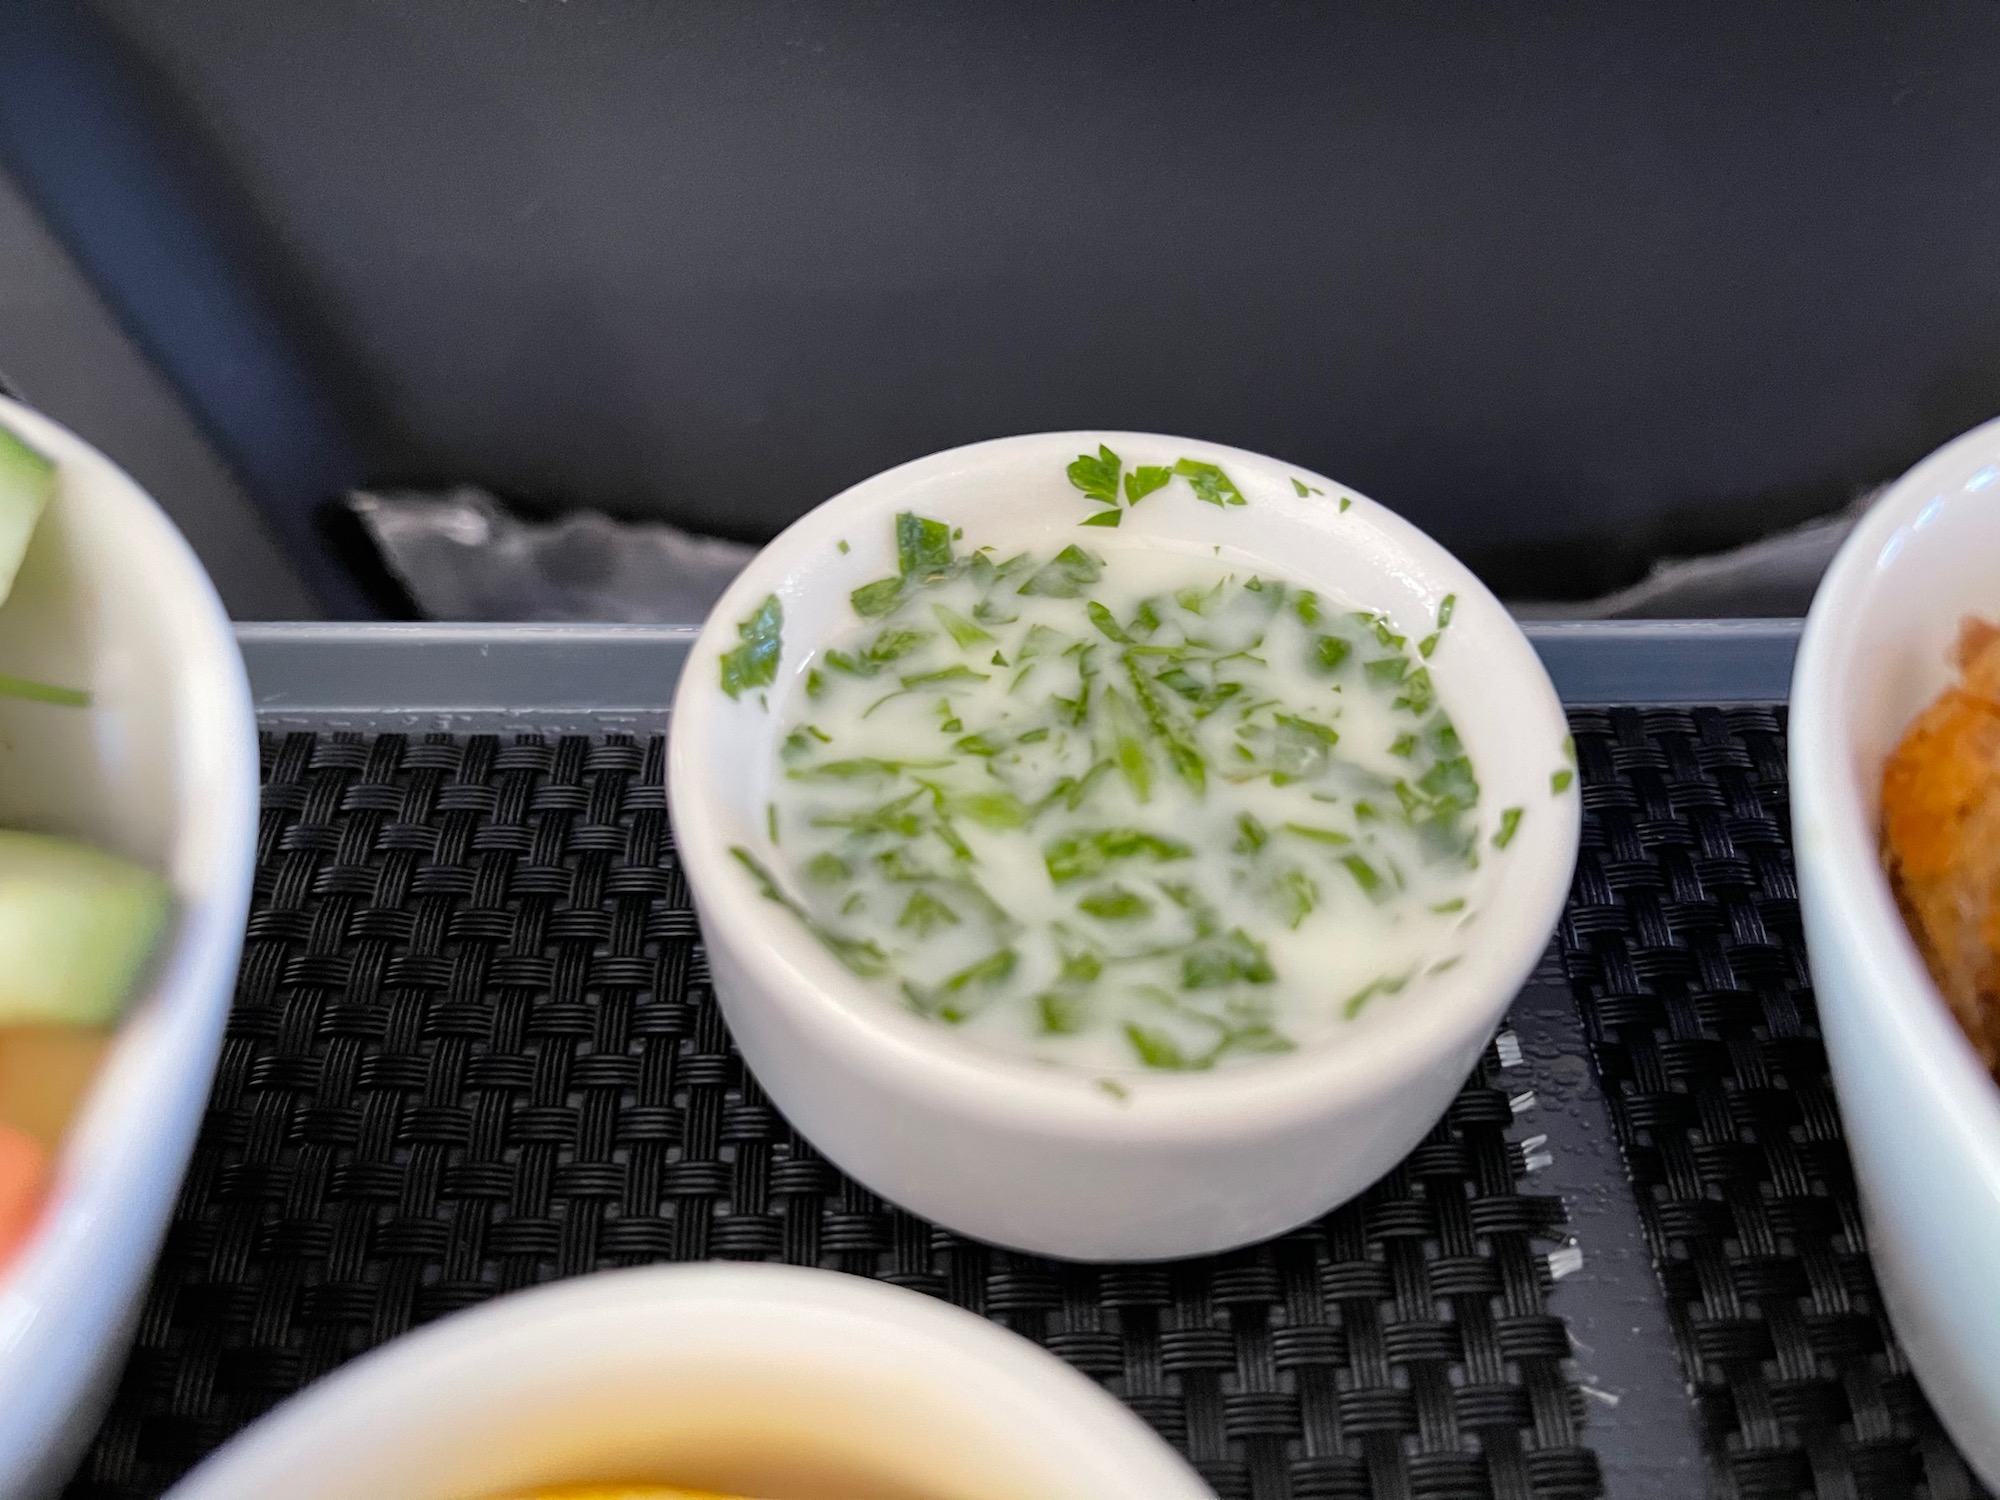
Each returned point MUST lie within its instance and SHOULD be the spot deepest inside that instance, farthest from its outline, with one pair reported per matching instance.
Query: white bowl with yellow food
(128, 796)
(1921, 1112)
(766, 1382)
(1112, 845)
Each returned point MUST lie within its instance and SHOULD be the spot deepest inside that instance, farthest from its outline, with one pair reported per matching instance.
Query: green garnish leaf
(1114, 903)
(1088, 852)
(1209, 482)
(944, 676)
(1101, 518)
(1427, 645)
(1156, 1049)
(752, 664)
(1559, 781)
(923, 913)
(1059, 1014)
(1299, 488)
(1344, 503)
(860, 955)
(1332, 836)
(961, 630)
(1373, 886)
(873, 600)
(828, 868)
(923, 547)
(1066, 575)
(1510, 823)
(1295, 894)
(1329, 653)
(1097, 477)
(1144, 479)
(1306, 605)
(1227, 960)
(1250, 834)
(1107, 622)
(889, 646)
(1387, 985)
(43, 692)
(861, 766)
(1445, 608)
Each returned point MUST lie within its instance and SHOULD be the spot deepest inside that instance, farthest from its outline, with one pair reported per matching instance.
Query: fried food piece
(1941, 837)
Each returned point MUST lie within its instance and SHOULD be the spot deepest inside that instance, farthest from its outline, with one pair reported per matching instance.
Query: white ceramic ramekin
(162, 768)
(1921, 1114)
(1041, 1158)
(745, 1379)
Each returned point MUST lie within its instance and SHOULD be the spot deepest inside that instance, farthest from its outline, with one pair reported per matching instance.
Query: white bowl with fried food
(1921, 1110)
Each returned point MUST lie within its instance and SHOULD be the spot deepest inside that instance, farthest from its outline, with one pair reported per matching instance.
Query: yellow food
(621, 1492)
(1941, 837)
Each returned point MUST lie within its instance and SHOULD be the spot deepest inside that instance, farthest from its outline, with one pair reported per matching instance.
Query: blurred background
(1577, 289)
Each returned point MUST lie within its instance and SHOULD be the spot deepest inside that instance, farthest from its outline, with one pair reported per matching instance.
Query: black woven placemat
(474, 1049)
(1682, 941)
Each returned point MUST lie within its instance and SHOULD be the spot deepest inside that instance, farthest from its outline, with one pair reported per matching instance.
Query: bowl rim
(927, 1060)
(1837, 838)
(497, 1337)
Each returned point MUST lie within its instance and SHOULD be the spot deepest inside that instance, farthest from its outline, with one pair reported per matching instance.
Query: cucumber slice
(76, 925)
(27, 483)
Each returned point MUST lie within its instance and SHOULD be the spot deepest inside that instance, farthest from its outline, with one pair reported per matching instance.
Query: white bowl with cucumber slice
(128, 820)
(1116, 846)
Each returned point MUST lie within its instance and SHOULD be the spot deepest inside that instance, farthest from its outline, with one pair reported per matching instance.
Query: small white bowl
(162, 768)
(1922, 1116)
(1041, 1158)
(745, 1379)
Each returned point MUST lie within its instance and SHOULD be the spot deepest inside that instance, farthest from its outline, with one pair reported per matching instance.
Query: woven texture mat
(474, 1049)
(1682, 941)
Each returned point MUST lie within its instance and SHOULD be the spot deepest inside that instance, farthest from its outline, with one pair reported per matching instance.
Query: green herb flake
(1510, 823)
(1387, 985)
(873, 600)
(962, 630)
(943, 677)
(1302, 489)
(923, 547)
(923, 914)
(1330, 836)
(1329, 651)
(1088, 852)
(1101, 518)
(1251, 835)
(1107, 623)
(1559, 782)
(1059, 1014)
(1445, 608)
(843, 546)
(752, 664)
(1065, 576)
(1156, 1049)
(1208, 482)
(1235, 958)
(1114, 903)
(828, 868)
(1373, 886)
(1344, 503)
(771, 820)
(1144, 479)
(1097, 477)
(862, 956)
(1114, 1088)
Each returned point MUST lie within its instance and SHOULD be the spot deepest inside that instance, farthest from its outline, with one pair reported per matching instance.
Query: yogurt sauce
(1125, 808)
